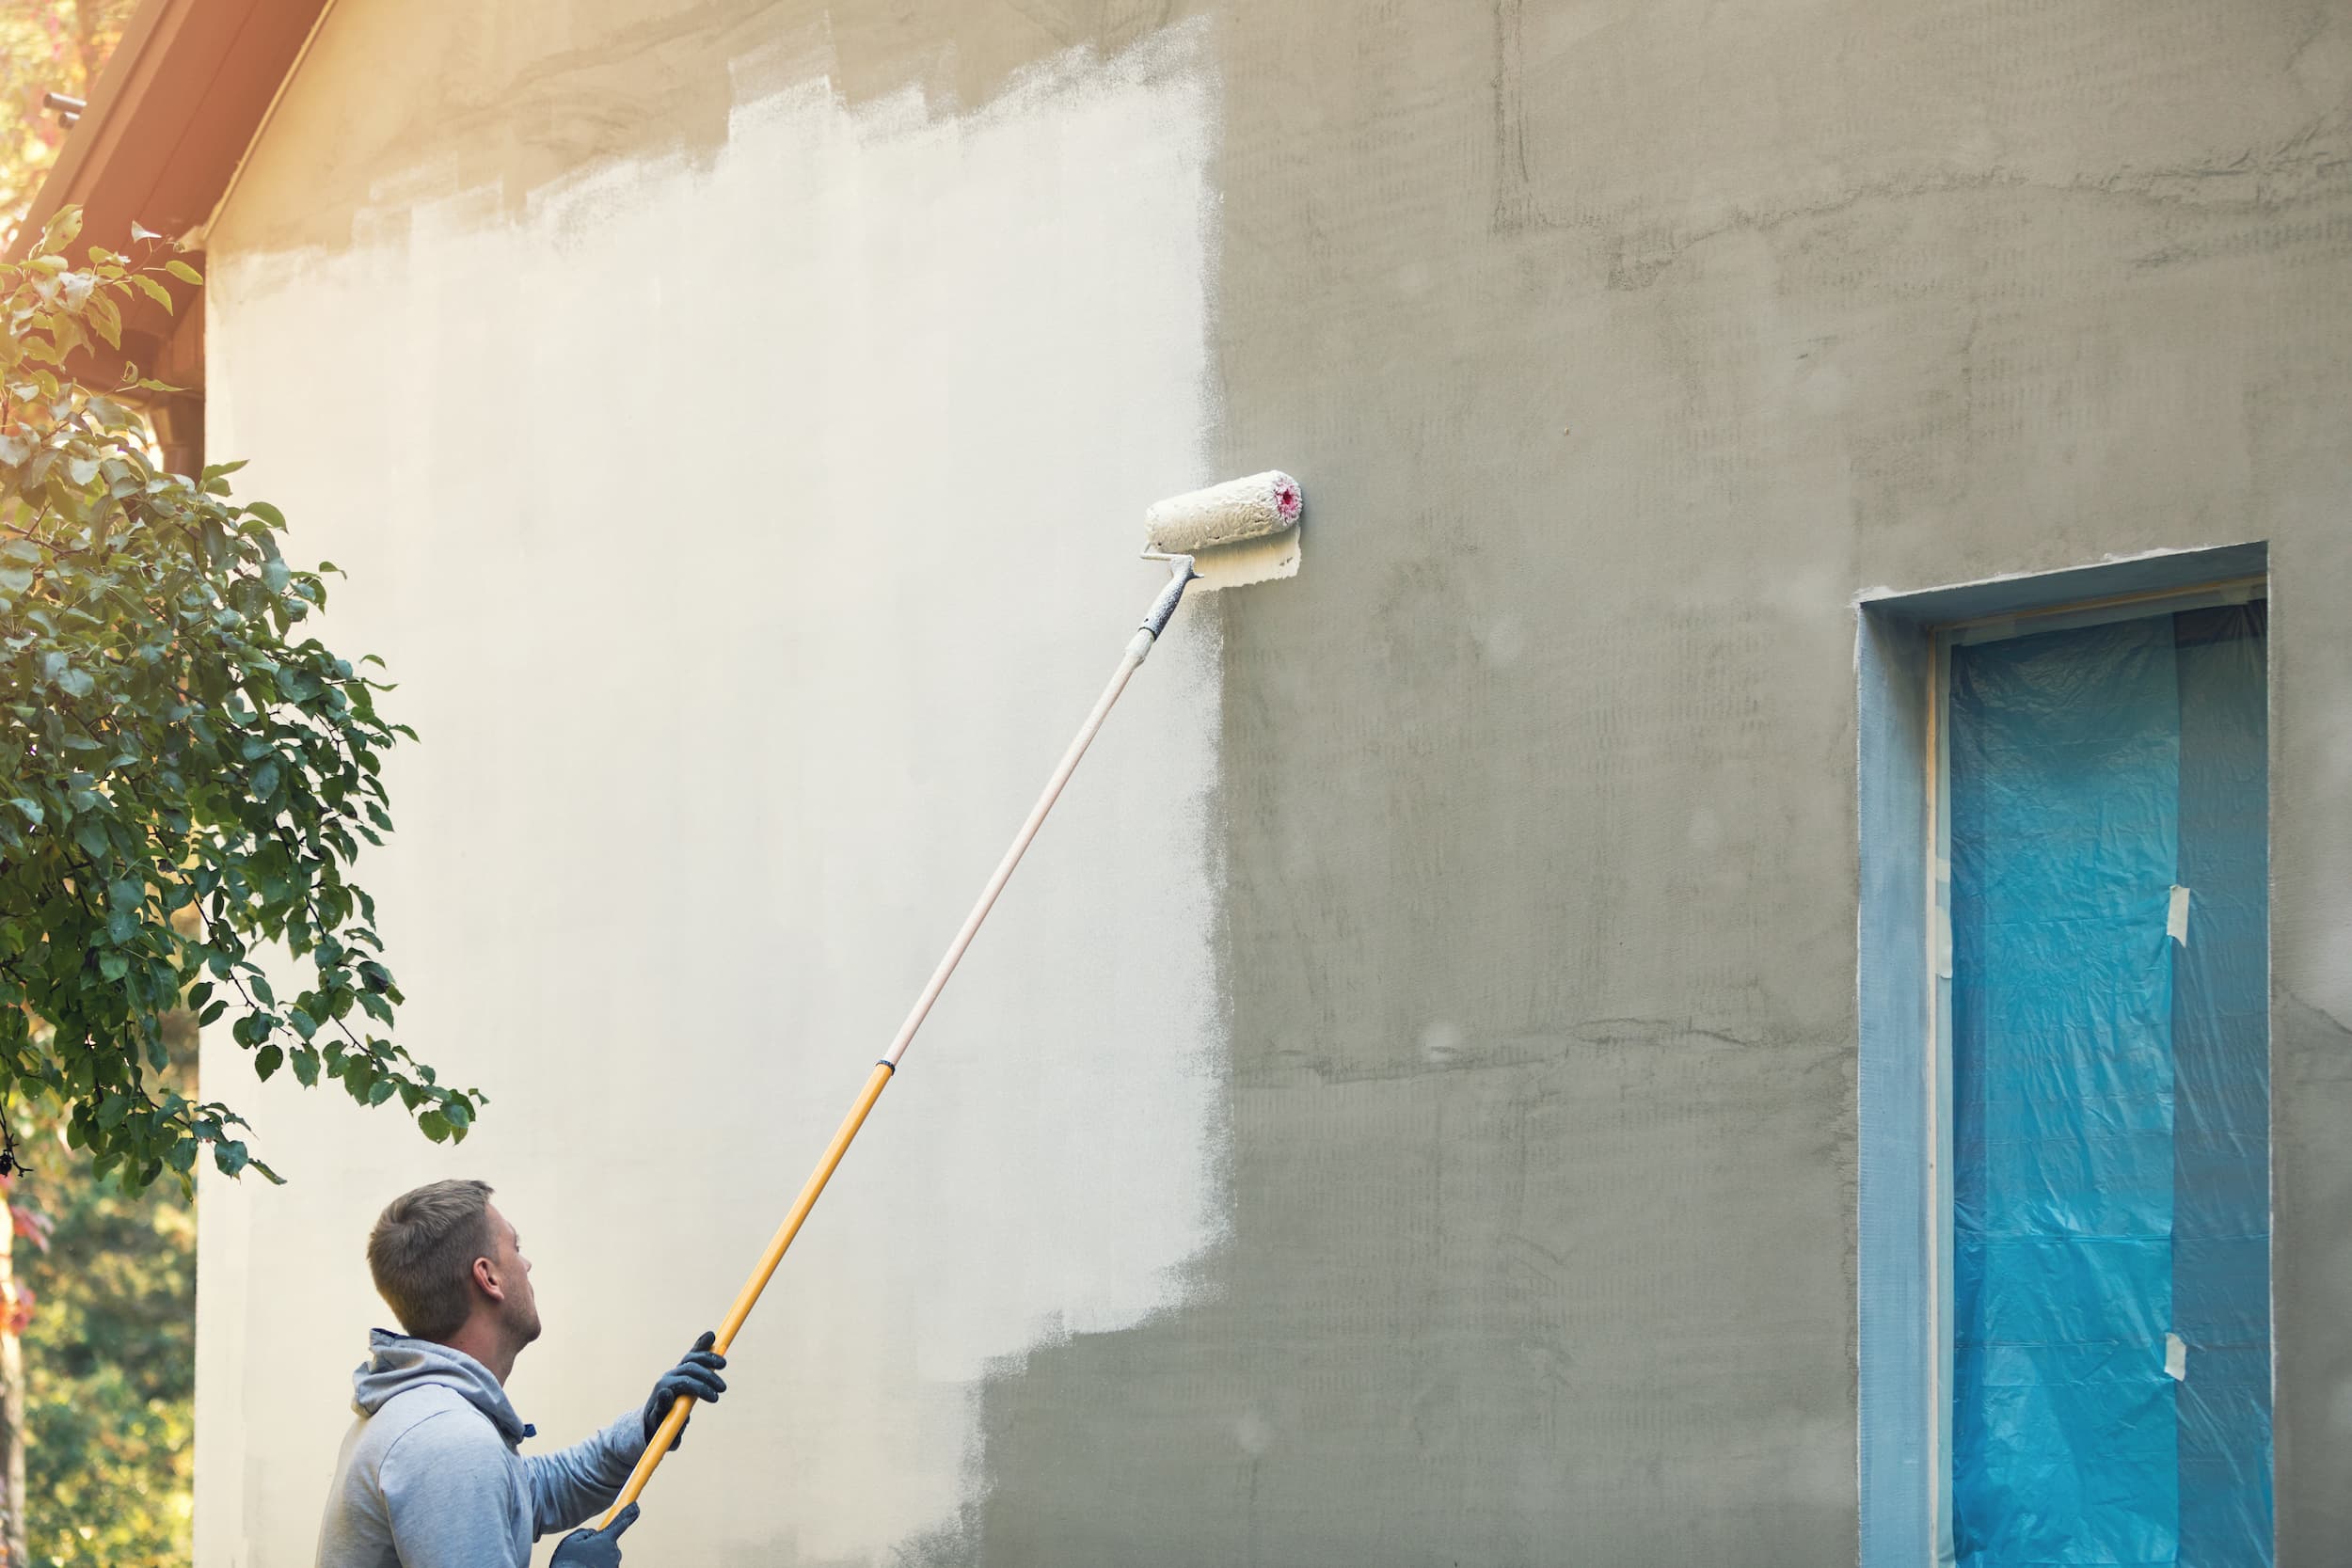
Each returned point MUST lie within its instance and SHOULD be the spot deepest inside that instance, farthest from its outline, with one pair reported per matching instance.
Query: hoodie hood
(396, 1364)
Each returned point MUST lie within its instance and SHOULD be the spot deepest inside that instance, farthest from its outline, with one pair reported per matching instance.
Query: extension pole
(1181, 573)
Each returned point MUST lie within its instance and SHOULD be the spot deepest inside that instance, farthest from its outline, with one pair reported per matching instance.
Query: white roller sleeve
(1227, 514)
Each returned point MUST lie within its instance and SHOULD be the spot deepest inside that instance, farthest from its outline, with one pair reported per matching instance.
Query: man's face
(519, 1311)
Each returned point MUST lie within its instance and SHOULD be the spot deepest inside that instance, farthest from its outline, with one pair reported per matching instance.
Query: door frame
(1903, 998)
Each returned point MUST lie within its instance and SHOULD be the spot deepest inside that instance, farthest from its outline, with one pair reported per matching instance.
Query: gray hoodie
(430, 1476)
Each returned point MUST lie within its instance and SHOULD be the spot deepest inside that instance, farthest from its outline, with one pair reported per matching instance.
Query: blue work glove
(697, 1374)
(594, 1548)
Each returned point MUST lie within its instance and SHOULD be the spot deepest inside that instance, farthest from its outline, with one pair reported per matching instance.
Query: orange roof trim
(171, 115)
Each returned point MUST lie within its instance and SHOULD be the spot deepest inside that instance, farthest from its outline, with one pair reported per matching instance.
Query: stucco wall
(1440, 1147)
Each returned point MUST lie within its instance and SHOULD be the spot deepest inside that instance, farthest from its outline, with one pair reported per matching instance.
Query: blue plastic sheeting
(2221, 1093)
(2064, 814)
(2110, 1093)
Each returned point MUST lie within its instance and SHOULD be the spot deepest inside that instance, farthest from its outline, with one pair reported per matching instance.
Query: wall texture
(1441, 1146)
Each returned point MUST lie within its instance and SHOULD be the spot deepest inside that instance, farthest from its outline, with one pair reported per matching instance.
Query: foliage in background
(106, 1276)
(185, 776)
(110, 1354)
(46, 46)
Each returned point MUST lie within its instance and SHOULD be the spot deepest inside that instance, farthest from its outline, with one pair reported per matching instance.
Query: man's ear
(485, 1279)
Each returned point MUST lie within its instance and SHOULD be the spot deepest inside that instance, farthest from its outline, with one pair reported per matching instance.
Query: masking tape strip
(2176, 918)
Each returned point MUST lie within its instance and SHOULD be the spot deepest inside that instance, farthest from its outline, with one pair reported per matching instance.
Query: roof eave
(171, 117)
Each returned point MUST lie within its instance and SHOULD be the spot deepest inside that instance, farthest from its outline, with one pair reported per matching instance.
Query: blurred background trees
(46, 46)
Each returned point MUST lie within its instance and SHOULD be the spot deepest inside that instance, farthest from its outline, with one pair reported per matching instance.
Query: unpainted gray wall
(1620, 345)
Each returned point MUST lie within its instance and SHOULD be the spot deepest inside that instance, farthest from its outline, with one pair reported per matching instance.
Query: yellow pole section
(745, 1299)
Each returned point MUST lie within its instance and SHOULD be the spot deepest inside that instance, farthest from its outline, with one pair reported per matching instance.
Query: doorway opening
(2065, 1305)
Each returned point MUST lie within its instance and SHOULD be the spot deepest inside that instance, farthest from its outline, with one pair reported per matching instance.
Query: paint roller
(1244, 530)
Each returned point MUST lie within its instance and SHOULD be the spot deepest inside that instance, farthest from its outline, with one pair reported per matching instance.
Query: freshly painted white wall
(746, 537)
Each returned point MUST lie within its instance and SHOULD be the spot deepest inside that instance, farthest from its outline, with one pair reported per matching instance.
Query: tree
(185, 777)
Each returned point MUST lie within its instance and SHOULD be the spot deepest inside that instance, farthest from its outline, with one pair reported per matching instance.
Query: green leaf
(230, 1157)
(152, 290)
(183, 272)
(268, 1060)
